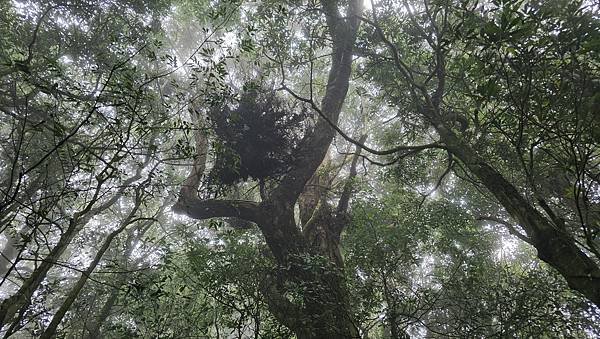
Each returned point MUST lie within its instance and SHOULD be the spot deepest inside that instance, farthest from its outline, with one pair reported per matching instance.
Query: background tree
(502, 86)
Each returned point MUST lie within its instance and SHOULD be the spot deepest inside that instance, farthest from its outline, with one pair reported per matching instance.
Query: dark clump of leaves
(255, 140)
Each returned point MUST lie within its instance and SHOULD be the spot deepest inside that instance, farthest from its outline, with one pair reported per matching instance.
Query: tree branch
(511, 228)
(357, 142)
(189, 204)
(342, 206)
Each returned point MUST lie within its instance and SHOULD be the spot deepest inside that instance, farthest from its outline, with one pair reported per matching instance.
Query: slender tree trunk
(22, 297)
(93, 331)
(74, 293)
(10, 252)
(11, 306)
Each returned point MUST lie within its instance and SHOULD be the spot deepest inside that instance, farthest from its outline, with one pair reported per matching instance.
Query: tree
(431, 268)
(389, 171)
(320, 310)
(497, 128)
(77, 138)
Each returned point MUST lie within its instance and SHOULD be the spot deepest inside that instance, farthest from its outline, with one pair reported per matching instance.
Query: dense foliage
(255, 140)
(279, 169)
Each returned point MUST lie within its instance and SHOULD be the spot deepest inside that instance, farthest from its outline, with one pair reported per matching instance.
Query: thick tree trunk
(327, 309)
(318, 306)
(323, 308)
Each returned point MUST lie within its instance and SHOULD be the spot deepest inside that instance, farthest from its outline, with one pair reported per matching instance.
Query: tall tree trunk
(134, 234)
(322, 310)
(93, 331)
(554, 245)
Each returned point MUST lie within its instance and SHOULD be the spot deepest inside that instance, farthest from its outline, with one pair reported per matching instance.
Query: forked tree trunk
(322, 308)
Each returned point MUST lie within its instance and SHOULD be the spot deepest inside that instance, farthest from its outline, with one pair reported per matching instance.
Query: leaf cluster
(255, 140)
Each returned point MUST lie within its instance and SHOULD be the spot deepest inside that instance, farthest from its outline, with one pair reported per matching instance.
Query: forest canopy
(300, 169)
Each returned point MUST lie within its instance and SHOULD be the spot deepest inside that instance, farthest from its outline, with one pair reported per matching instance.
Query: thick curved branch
(212, 208)
(189, 204)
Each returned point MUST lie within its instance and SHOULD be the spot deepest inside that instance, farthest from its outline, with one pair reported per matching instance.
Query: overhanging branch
(192, 206)
(354, 141)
